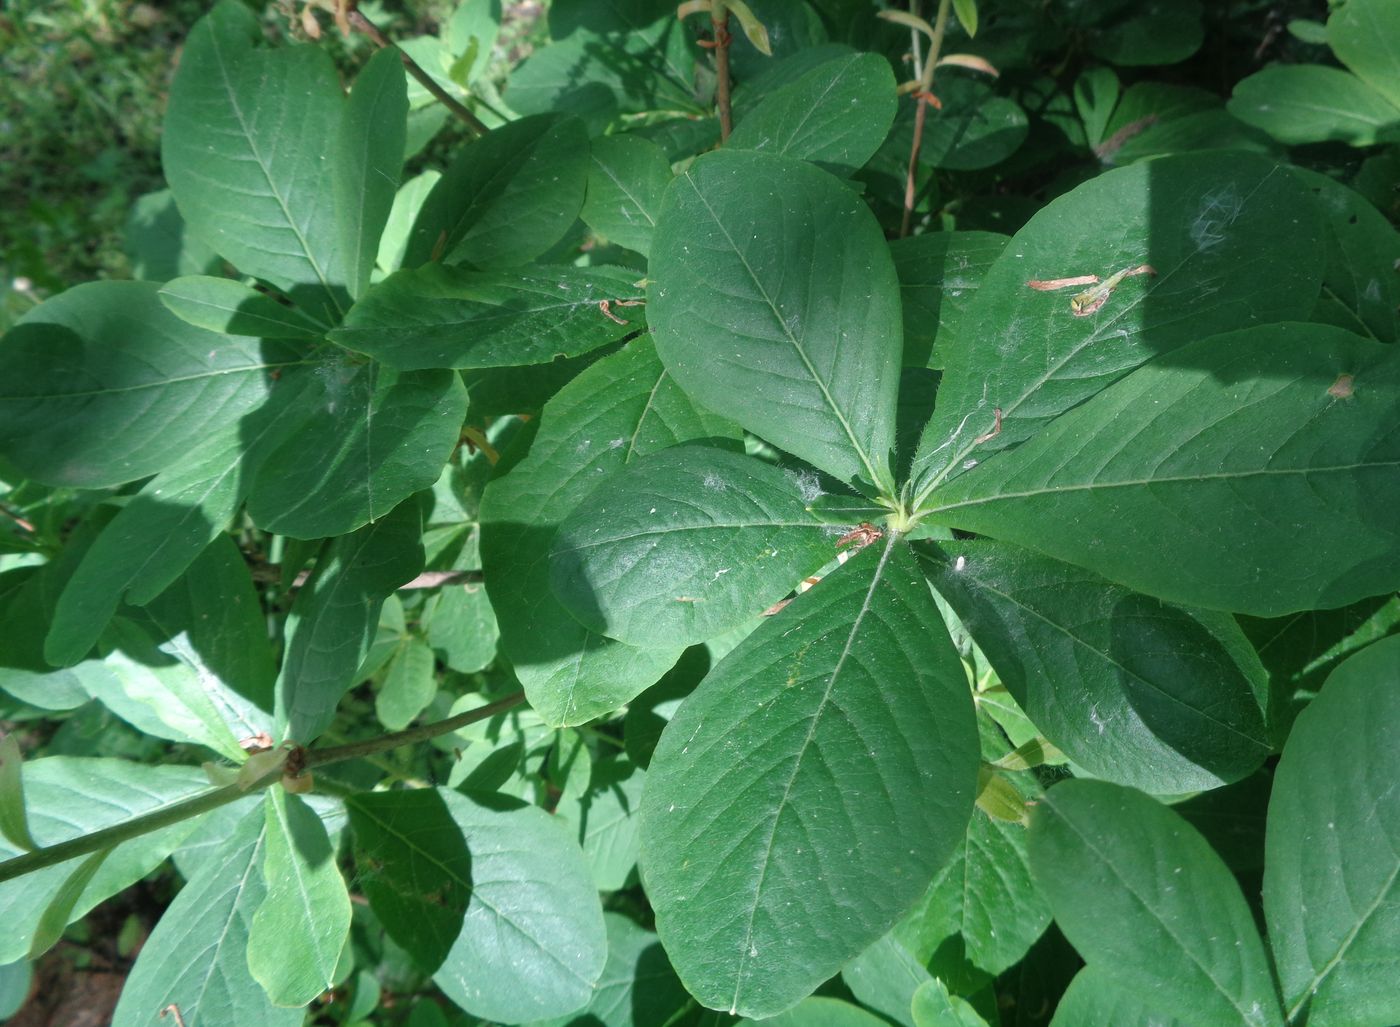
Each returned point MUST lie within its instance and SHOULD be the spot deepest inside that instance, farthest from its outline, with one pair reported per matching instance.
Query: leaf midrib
(787, 333)
(1170, 480)
(777, 815)
(237, 109)
(1185, 949)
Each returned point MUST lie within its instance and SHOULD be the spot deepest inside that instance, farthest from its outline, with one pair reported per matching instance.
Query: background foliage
(812, 585)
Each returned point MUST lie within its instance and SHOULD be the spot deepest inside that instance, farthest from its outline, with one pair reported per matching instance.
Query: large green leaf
(158, 243)
(606, 59)
(196, 959)
(804, 795)
(622, 407)
(939, 275)
(1099, 997)
(1141, 894)
(69, 796)
(1314, 103)
(533, 942)
(1360, 289)
(973, 129)
(638, 987)
(627, 176)
(414, 868)
(606, 816)
(233, 308)
(1333, 849)
(193, 666)
(367, 156)
(885, 977)
(435, 316)
(301, 925)
(823, 1012)
(1134, 690)
(1365, 36)
(335, 614)
(686, 544)
(102, 385)
(985, 896)
(161, 531)
(507, 197)
(774, 302)
(1207, 223)
(1153, 32)
(835, 116)
(378, 437)
(1193, 478)
(246, 150)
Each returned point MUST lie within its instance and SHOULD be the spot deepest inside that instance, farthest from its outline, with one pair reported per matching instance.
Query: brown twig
(722, 38)
(364, 25)
(924, 98)
(20, 521)
(174, 813)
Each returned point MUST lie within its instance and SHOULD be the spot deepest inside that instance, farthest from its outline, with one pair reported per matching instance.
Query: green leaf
(296, 935)
(939, 275)
(1159, 697)
(835, 116)
(333, 619)
(966, 11)
(247, 152)
(776, 793)
(607, 819)
(1365, 36)
(1155, 32)
(232, 308)
(408, 202)
(70, 796)
(408, 687)
(1207, 223)
(506, 198)
(102, 385)
(27, 600)
(933, 1006)
(462, 628)
(378, 437)
(413, 867)
(885, 977)
(1193, 478)
(686, 544)
(14, 822)
(1333, 848)
(197, 957)
(1096, 94)
(1314, 103)
(161, 531)
(974, 129)
(774, 302)
(1360, 289)
(435, 316)
(533, 942)
(608, 59)
(158, 243)
(59, 912)
(1139, 892)
(622, 407)
(1099, 997)
(984, 895)
(823, 1012)
(627, 176)
(194, 666)
(367, 157)
(638, 987)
